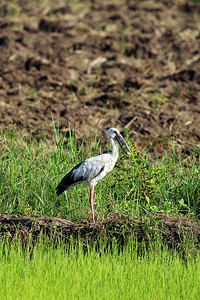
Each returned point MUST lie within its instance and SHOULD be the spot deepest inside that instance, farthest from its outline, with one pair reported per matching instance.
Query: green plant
(46, 272)
(169, 185)
(30, 171)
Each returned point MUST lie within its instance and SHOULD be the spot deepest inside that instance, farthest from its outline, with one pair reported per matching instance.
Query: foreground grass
(70, 274)
(30, 171)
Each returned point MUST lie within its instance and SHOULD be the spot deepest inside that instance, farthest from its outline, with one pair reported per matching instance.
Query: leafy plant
(30, 171)
(170, 185)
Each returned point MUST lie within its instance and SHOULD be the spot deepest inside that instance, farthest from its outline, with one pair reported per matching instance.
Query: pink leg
(91, 202)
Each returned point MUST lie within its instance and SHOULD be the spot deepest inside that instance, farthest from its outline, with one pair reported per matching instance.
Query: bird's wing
(84, 171)
(89, 169)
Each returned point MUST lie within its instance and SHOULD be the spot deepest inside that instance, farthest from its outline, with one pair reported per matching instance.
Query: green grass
(30, 171)
(61, 273)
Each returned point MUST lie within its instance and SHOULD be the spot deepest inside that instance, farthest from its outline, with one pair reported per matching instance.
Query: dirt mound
(173, 231)
(132, 64)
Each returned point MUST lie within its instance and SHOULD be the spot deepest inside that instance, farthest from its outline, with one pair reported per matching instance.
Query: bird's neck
(114, 151)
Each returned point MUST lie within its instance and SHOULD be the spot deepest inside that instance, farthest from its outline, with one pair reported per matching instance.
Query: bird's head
(113, 133)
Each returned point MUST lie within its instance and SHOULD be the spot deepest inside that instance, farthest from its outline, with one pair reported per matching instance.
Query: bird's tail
(69, 181)
(66, 183)
(60, 189)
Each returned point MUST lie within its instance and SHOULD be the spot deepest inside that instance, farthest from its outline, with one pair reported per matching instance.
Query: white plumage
(91, 170)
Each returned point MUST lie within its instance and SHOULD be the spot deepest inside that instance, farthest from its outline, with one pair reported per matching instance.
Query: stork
(93, 169)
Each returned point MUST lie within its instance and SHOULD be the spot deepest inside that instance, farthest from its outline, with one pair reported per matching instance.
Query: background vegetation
(31, 170)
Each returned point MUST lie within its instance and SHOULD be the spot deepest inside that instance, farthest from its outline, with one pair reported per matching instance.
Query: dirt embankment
(133, 64)
(176, 232)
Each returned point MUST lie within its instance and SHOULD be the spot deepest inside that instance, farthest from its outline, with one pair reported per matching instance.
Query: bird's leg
(91, 202)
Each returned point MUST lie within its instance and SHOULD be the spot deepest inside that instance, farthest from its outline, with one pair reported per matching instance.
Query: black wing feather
(68, 180)
(91, 169)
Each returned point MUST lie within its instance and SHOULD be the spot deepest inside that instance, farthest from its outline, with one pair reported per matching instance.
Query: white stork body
(95, 168)
(91, 170)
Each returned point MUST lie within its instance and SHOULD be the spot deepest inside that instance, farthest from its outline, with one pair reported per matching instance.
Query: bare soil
(133, 64)
(175, 231)
(98, 64)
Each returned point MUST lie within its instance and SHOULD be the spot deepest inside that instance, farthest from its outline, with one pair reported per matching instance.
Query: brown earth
(133, 64)
(175, 231)
(97, 64)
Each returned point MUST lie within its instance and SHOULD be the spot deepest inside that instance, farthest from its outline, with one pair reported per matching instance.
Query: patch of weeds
(14, 9)
(166, 186)
(196, 16)
(135, 180)
(123, 46)
(81, 92)
(157, 100)
(195, 1)
(32, 93)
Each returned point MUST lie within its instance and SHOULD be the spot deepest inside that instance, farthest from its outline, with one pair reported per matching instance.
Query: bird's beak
(122, 143)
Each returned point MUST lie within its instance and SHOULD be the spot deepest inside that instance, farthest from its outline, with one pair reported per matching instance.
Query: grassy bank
(50, 273)
(31, 170)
